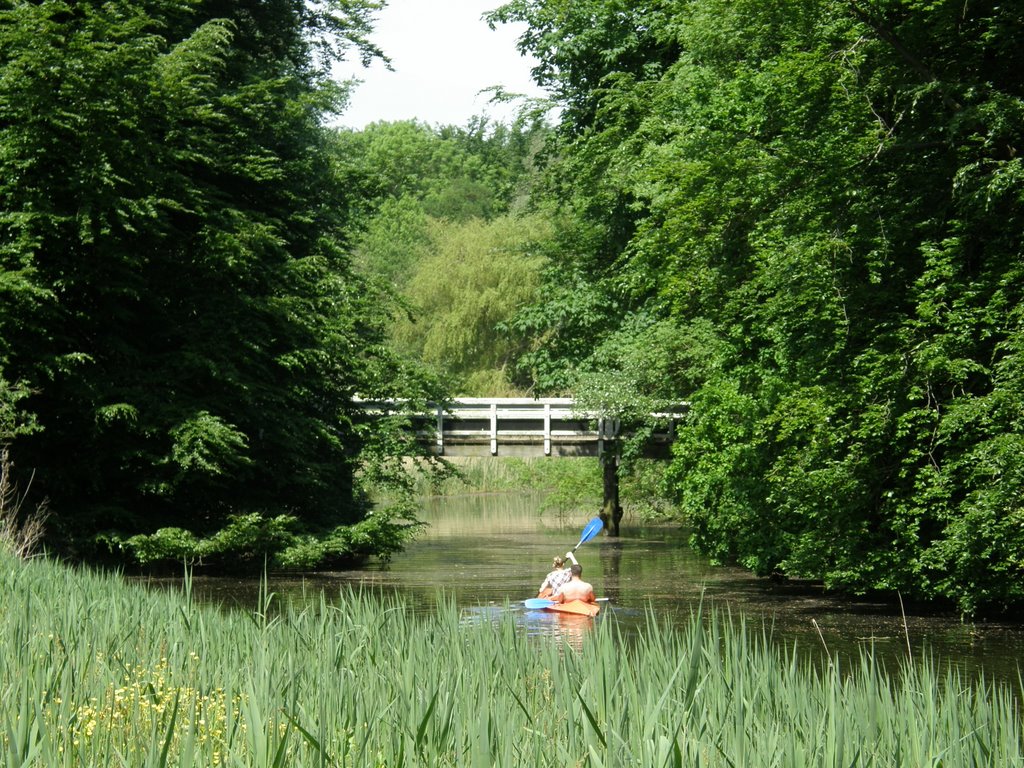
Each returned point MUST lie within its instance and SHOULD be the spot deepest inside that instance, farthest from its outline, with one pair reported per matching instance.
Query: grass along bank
(571, 484)
(99, 672)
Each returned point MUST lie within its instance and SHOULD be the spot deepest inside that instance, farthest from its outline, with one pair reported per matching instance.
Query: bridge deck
(510, 426)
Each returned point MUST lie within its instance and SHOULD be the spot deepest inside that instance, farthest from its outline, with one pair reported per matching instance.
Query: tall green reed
(569, 484)
(491, 474)
(94, 671)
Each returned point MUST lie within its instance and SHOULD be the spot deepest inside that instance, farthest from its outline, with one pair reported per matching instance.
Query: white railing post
(547, 429)
(494, 429)
(440, 431)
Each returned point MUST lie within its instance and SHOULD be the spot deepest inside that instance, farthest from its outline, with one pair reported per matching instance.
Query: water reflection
(568, 628)
(490, 552)
(563, 628)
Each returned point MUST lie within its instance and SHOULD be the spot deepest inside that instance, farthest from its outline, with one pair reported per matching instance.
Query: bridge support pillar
(611, 510)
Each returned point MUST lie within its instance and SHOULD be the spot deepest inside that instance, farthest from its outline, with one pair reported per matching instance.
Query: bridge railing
(510, 426)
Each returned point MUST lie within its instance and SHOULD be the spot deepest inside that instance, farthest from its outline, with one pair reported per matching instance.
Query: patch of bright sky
(443, 54)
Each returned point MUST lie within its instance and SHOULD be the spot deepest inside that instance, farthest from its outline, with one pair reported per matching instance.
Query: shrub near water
(97, 672)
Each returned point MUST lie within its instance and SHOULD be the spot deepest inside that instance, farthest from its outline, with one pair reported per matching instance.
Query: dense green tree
(589, 55)
(455, 173)
(819, 204)
(176, 295)
(461, 295)
(393, 241)
(582, 46)
(444, 227)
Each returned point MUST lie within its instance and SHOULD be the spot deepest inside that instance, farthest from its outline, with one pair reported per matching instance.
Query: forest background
(803, 218)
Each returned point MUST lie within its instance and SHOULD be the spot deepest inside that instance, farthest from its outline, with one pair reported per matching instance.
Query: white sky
(443, 54)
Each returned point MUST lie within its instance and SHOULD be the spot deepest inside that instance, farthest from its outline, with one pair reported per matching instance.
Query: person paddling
(575, 589)
(559, 575)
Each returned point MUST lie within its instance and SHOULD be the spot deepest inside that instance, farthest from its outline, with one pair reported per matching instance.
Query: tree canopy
(807, 214)
(180, 325)
(445, 226)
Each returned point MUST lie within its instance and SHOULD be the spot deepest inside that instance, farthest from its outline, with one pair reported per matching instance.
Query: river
(488, 552)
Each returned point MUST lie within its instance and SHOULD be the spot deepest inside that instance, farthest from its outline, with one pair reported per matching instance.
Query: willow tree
(176, 293)
(463, 293)
(442, 226)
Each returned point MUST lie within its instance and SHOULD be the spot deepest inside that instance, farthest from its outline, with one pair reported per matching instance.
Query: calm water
(489, 552)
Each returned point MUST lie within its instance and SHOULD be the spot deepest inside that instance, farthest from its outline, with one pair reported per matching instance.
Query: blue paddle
(536, 603)
(590, 530)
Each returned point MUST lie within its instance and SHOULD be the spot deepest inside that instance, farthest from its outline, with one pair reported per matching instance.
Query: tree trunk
(611, 511)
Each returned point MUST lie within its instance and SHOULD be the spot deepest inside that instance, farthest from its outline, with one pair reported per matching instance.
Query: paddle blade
(536, 603)
(590, 531)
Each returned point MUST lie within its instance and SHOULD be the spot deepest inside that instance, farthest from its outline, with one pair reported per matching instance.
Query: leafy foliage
(177, 301)
(443, 226)
(253, 541)
(475, 278)
(803, 218)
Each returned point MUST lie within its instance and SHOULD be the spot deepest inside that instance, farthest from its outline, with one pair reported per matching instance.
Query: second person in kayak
(575, 589)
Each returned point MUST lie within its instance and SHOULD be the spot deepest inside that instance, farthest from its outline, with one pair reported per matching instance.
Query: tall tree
(819, 201)
(176, 292)
(444, 226)
(461, 295)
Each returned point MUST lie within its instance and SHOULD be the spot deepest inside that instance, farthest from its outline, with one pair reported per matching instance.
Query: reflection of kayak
(575, 606)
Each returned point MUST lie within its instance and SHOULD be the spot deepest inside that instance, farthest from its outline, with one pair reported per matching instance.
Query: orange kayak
(575, 606)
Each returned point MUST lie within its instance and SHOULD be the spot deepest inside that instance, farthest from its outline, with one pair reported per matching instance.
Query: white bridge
(521, 426)
(525, 427)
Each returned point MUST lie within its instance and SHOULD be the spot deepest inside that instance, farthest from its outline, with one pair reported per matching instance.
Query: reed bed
(96, 672)
(491, 474)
